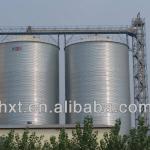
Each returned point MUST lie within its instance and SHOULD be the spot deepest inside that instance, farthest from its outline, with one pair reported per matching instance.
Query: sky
(74, 13)
(71, 12)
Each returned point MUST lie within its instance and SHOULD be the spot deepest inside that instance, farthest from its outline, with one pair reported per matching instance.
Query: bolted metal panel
(98, 71)
(29, 74)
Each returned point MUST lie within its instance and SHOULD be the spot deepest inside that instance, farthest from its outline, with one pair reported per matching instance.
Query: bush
(83, 138)
(112, 140)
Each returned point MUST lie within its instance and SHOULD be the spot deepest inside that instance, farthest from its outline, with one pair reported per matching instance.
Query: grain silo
(98, 71)
(29, 73)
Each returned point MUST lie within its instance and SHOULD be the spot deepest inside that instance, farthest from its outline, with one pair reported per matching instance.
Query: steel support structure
(136, 31)
(140, 69)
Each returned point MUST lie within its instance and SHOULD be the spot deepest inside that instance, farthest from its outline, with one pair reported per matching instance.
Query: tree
(112, 140)
(139, 139)
(85, 138)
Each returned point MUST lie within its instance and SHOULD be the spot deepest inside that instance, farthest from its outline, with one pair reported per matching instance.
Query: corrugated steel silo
(29, 73)
(98, 71)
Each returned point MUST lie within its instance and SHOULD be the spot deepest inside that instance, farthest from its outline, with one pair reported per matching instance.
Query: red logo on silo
(16, 48)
